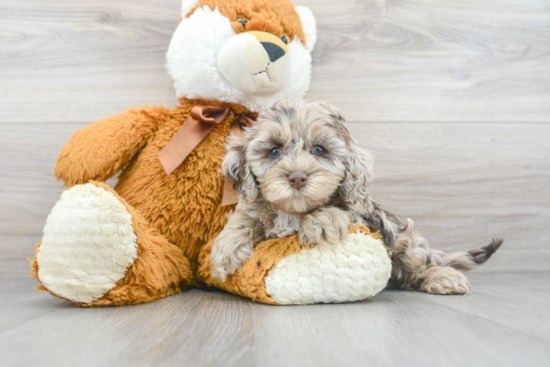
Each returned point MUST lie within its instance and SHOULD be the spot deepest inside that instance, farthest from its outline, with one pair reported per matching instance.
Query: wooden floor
(505, 322)
(451, 97)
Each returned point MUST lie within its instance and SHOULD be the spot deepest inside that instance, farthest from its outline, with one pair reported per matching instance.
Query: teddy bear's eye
(318, 151)
(284, 38)
(275, 153)
(243, 21)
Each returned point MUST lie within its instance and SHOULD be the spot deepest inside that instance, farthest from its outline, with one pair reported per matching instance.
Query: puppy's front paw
(446, 280)
(218, 271)
(217, 263)
(310, 232)
(328, 226)
(226, 259)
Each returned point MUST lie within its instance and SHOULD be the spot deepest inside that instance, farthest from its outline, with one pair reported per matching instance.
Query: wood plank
(429, 60)
(464, 183)
(213, 328)
(67, 61)
(461, 183)
(414, 60)
(20, 302)
(508, 293)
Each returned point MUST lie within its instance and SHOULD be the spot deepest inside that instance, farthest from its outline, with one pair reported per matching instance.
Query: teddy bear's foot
(282, 272)
(97, 250)
(88, 244)
(354, 269)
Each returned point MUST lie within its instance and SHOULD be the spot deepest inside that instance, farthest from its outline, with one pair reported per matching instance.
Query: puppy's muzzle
(255, 62)
(297, 180)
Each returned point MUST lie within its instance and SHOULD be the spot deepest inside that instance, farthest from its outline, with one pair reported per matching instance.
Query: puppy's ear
(236, 170)
(359, 166)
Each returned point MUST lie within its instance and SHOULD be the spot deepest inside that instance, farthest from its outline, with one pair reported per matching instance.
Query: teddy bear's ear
(309, 26)
(187, 5)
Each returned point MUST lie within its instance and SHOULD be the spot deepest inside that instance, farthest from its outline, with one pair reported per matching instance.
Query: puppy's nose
(297, 180)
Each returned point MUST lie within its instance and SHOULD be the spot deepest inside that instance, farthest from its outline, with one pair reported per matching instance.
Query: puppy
(299, 170)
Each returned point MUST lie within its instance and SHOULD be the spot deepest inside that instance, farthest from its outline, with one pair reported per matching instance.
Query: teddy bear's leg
(282, 271)
(98, 251)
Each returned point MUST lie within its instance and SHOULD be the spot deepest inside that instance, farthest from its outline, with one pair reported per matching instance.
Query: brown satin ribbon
(203, 119)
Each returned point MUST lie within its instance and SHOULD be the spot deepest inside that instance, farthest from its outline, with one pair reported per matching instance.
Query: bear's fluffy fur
(175, 218)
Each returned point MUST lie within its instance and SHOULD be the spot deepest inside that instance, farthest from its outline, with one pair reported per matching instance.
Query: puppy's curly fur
(310, 140)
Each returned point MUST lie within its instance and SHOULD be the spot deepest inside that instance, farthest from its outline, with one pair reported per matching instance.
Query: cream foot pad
(88, 244)
(352, 270)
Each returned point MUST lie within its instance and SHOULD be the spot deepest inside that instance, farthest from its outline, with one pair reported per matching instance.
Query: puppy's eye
(243, 21)
(318, 151)
(284, 38)
(275, 153)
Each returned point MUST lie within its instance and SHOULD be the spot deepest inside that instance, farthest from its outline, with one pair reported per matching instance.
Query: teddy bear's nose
(297, 180)
(274, 46)
(274, 51)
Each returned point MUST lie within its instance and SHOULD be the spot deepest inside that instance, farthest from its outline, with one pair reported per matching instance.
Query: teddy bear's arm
(101, 149)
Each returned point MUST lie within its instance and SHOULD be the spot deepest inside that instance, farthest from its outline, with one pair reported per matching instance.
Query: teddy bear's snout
(273, 45)
(255, 62)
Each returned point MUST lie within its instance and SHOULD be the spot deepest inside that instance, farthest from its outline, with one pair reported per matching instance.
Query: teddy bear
(151, 235)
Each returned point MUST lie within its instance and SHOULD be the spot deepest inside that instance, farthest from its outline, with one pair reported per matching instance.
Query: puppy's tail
(467, 260)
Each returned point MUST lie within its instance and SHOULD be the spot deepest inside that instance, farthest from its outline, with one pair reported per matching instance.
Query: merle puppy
(300, 171)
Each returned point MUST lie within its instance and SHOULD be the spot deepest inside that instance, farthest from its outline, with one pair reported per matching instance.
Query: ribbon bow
(203, 119)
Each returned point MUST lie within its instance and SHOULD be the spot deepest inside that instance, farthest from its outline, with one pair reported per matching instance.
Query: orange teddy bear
(151, 236)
